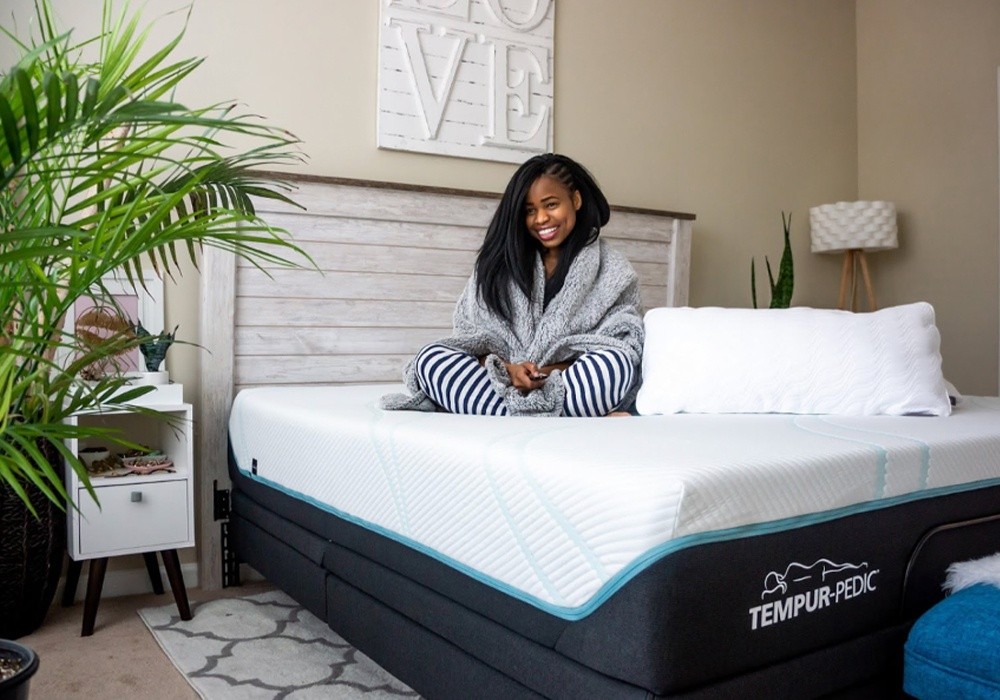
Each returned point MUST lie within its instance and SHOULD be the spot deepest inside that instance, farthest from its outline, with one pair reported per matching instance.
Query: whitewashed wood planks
(391, 264)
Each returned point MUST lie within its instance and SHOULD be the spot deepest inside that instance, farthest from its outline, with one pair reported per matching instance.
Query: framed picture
(98, 317)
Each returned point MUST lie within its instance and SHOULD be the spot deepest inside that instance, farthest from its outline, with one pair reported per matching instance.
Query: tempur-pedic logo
(808, 588)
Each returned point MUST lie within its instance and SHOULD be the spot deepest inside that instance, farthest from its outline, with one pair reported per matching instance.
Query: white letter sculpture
(467, 78)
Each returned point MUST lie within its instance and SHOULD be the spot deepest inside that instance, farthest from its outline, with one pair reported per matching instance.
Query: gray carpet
(266, 646)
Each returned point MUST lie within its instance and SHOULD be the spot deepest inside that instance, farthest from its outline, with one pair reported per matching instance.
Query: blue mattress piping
(637, 565)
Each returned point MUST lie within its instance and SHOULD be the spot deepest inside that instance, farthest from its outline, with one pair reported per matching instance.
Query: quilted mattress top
(560, 512)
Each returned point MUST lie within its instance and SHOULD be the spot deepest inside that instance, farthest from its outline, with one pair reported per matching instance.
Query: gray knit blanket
(597, 308)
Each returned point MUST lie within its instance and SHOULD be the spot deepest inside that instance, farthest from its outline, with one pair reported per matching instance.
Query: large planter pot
(31, 556)
(16, 687)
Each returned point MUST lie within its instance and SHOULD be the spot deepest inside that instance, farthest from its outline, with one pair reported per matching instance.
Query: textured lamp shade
(853, 226)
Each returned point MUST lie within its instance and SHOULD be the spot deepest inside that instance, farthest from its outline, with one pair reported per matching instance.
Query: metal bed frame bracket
(230, 565)
(221, 507)
(220, 502)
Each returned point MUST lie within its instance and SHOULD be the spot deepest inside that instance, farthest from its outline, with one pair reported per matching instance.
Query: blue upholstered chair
(953, 651)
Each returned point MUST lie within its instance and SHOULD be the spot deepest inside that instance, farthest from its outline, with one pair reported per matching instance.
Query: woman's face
(550, 211)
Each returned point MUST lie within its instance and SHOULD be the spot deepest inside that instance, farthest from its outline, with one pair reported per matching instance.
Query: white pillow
(798, 360)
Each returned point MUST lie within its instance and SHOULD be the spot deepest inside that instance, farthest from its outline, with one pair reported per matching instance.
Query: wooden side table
(138, 514)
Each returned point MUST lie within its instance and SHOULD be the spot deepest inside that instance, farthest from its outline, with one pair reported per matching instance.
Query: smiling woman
(549, 323)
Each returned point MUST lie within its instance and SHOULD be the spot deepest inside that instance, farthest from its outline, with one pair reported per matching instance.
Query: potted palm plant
(102, 173)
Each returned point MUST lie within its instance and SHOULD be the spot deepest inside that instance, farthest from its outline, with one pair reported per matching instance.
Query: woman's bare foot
(618, 414)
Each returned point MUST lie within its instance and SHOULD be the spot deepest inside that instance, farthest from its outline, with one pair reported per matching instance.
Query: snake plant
(781, 288)
(102, 172)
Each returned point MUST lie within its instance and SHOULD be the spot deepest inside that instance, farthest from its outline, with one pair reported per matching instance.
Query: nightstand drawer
(134, 517)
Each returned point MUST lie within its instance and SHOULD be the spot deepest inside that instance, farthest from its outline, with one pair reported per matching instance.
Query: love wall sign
(466, 78)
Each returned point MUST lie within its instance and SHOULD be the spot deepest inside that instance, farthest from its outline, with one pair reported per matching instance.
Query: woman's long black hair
(508, 251)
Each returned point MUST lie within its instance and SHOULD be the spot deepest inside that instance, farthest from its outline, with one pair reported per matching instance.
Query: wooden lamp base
(854, 258)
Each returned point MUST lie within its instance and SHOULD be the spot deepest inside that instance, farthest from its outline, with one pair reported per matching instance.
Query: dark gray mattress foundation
(702, 622)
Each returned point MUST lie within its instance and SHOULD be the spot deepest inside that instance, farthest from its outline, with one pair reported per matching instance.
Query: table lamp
(853, 228)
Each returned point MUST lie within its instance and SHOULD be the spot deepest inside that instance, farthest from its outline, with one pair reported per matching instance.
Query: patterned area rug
(266, 646)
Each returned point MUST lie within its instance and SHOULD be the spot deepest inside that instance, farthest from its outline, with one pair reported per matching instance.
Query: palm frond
(101, 168)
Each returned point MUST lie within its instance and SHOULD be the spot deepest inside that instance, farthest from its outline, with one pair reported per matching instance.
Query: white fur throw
(974, 571)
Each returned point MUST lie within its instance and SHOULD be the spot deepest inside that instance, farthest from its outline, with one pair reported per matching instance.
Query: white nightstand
(137, 514)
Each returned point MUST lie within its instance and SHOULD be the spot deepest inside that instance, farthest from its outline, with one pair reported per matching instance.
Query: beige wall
(927, 139)
(715, 107)
(729, 109)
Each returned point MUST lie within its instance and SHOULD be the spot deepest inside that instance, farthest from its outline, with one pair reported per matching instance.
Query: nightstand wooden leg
(72, 581)
(153, 567)
(95, 582)
(173, 567)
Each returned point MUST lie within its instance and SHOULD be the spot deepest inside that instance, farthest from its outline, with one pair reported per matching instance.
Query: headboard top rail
(300, 178)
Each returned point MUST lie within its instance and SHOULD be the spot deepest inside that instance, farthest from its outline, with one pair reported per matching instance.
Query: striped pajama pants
(595, 383)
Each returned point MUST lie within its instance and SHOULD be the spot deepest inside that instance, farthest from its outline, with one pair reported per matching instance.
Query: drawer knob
(136, 497)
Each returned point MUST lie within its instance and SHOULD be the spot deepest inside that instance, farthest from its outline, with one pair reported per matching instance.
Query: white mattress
(560, 512)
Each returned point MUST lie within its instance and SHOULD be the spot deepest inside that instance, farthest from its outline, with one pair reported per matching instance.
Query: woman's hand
(549, 369)
(525, 376)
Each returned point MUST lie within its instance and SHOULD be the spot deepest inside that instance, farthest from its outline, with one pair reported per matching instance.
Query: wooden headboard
(393, 260)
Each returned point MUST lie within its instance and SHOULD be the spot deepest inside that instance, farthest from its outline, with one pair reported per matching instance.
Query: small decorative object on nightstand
(145, 507)
(154, 351)
(853, 228)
